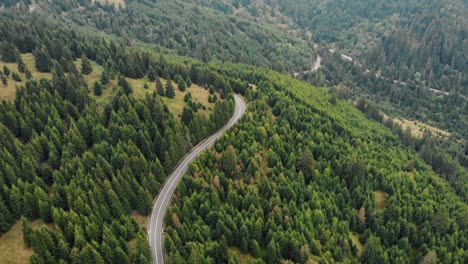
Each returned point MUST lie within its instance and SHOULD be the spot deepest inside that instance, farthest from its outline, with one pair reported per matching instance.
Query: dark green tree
(43, 60)
(373, 252)
(86, 67)
(170, 93)
(159, 87)
(97, 88)
(6, 71)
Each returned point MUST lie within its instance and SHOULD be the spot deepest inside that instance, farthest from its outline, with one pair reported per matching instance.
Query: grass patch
(139, 218)
(9, 92)
(12, 247)
(355, 239)
(94, 76)
(412, 254)
(380, 199)
(418, 128)
(115, 2)
(243, 258)
(176, 105)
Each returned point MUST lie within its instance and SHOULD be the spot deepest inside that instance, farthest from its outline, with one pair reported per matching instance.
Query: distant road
(155, 233)
(315, 67)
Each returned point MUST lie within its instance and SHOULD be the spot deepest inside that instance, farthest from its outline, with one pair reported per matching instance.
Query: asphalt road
(161, 203)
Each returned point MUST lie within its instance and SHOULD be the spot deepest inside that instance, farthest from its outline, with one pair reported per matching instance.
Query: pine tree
(373, 252)
(170, 93)
(16, 77)
(152, 74)
(188, 81)
(43, 61)
(187, 116)
(7, 52)
(159, 87)
(86, 67)
(105, 77)
(27, 232)
(97, 88)
(6, 71)
(229, 161)
(125, 85)
(4, 80)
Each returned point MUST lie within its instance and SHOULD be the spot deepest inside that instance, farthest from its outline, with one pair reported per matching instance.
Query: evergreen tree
(159, 87)
(43, 60)
(97, 88)
(7, 51)
(4, 80)
(170, 93)
(105, 77)
(86, 67)
(6, 71)
(229, 161)
(152, 74)
(16, 77)
(127, 88)
(373, 252)
(187, 116)
(188, 82)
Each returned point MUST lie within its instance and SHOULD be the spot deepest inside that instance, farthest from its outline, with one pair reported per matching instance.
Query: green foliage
(159, 87)
(86, 67)
(373, 252)
(255, 187)
(105, 77)
(170, 93)
(43, 60)
(83, 168)
(6, 71)
(16, 77)
(97, 88)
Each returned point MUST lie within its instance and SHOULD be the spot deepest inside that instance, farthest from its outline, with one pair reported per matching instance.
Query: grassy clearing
(244, 258)
(12, 247)
(380, 199)
(355, 239)
(93, 76)
(115, 2)
(140, 219)
(199, 94)
(175, 105)
(417, 128)
(9, 92)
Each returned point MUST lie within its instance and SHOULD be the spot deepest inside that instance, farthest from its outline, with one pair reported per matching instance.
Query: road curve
(162, 201)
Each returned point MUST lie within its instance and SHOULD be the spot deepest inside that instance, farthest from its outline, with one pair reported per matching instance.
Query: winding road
(155, 231)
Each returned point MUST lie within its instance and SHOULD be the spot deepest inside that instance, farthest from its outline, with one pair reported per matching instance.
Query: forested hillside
(192, 30)
(98, 106)
(400, 38)
(306, 177)
(84, 166)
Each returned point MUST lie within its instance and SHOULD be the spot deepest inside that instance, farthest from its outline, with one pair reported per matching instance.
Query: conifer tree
(159, 87)
(170, 93)
(86, 67)
(43, 60)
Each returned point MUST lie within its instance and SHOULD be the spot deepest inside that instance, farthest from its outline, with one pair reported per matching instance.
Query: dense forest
(84, 167)
(187, 28)
(299, 180)
(419, 44)
(304, 177)
(400, 38)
